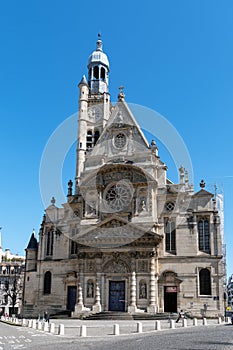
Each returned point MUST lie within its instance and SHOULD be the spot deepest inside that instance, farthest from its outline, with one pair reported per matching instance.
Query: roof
(33, 244)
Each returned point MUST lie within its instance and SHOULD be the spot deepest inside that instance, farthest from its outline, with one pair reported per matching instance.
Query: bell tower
(94, 105)
(98, 69)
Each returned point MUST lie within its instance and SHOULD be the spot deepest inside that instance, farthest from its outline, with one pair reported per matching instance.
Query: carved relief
(90, 266)
(116, 267)
(142, 266)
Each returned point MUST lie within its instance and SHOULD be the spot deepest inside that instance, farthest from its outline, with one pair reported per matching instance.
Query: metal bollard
(83, 331)
(61, 329)
(116, 329)
(172, 324)
(34, 324)
(39, 325)
(219, 320)
(195, 321)
(157, 325)
(184, 322)
(29, 323)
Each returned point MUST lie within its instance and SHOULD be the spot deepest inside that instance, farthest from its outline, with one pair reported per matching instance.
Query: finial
(202, 184)
(99, 43)
(181, 170)
(186, 177)
(154, 148)
(121, 95)
(53, 201)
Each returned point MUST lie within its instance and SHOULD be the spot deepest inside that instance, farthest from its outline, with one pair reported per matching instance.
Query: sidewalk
(103, 328)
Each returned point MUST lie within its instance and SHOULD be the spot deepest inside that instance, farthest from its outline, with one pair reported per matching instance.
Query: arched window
(96, 136)
(142, 289)
(90, 289)
(89, 141)
(102, 73)
(49, 243)
(73, 247)
(204, 235)
(89, 74)
(96, 72)
(47, 282)
(170, 236)
(205, 282)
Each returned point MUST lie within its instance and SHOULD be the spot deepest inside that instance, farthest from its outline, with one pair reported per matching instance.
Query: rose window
(118, 196)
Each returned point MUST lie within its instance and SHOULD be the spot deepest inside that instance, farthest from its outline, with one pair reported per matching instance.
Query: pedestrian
(180, 315)
(46, 317)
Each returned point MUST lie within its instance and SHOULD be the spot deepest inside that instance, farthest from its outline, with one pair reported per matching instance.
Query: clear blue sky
(175, 57)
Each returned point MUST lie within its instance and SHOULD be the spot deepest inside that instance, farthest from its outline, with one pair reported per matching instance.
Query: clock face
(94, 113)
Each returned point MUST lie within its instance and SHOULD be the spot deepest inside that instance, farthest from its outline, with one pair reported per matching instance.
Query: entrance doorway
(117, 296)
(170, 299)
(71, 297)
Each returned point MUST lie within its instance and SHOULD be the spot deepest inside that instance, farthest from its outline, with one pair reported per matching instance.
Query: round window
(120, 140)
(118, 196)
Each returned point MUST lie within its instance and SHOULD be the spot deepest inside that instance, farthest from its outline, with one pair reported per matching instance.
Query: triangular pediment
(203, 193)
(112, 232)
(123, 117)
(121, 137)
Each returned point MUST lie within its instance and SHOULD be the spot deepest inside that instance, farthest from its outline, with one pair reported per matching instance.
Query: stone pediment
(203, 193)
(121, 136)
(113, 232)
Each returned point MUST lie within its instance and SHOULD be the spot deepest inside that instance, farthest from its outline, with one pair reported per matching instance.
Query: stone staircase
(114, 315)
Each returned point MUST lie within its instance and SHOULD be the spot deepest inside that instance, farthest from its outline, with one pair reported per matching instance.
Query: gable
(121, 137)
(113, 232)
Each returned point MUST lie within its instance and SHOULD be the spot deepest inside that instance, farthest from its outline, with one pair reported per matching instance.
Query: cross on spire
(121, 95)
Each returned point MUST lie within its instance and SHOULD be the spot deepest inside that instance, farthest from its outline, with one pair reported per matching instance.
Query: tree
(13, 290)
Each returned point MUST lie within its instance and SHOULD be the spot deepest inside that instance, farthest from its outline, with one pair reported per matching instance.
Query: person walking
(46, 316)
(180, 315)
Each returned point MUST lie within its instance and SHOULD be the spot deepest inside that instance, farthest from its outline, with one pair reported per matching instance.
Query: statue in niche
(90, 289)
(143, 290)
(142, 207)
(92, 209)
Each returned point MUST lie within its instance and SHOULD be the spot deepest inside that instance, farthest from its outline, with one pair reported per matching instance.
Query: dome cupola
(98, 69)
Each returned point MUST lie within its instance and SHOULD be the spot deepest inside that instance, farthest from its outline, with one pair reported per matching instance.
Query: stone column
(152, 288)
(79, 307)
(80, 295)
(132, 307)
(97, 305)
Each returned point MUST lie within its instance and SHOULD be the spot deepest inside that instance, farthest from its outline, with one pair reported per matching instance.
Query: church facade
(127, 239)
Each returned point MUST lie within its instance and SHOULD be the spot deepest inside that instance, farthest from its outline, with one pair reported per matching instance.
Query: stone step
(108, 315)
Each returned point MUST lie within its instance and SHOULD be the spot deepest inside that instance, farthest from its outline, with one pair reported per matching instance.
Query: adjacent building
(128, 239)
(11, 282)
(230, 293)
